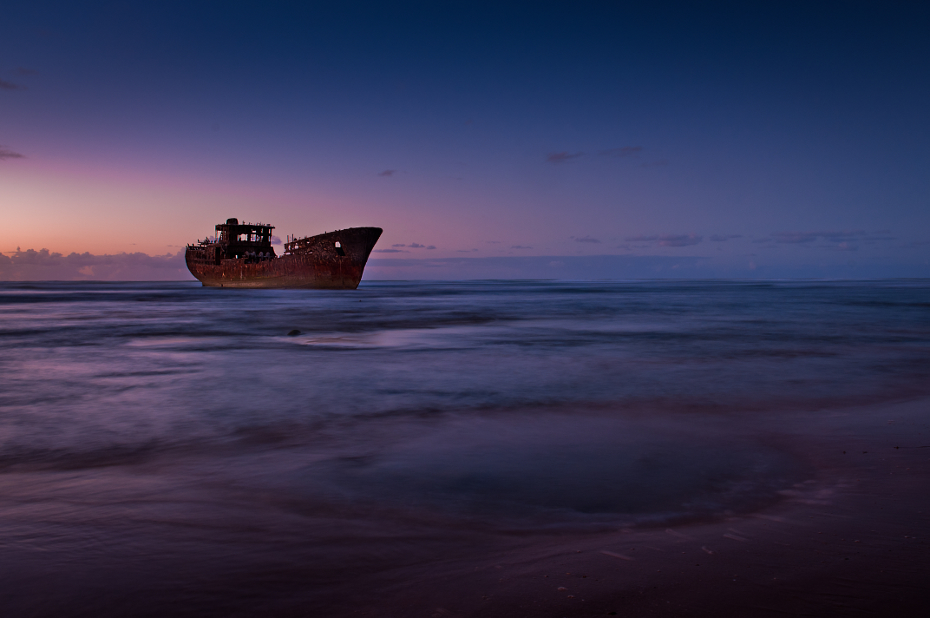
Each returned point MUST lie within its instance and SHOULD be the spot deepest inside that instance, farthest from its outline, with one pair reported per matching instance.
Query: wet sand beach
(850, 541)
(848, 538)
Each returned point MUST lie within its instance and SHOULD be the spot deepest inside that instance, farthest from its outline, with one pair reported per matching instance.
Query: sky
(511, 140)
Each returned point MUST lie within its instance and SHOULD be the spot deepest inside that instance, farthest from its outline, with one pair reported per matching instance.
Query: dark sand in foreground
(848, 540)
(852, 541)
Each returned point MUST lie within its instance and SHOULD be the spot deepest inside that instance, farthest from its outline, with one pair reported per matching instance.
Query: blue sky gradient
(787, 140)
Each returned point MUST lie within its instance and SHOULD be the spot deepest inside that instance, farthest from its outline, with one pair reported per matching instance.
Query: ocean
(168, 449)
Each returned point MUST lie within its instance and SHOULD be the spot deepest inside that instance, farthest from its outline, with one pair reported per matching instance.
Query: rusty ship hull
(334, 260)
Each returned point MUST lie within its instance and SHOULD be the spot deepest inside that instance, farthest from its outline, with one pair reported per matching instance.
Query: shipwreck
(241, 255)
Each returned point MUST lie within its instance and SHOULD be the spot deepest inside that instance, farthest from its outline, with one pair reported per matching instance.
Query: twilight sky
(487, 139)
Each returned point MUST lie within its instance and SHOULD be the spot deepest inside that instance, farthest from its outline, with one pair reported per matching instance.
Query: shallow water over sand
(173, 442)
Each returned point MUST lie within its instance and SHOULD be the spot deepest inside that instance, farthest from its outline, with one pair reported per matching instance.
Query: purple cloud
(416, 245)
(795, 237)
(830, 236)
(723, 237)
(10, 86)
(842, 246)
(669, 240)
(679, 240)
(399, 245)
(431, 247)
(390, 251)
(520, 247)
(387, 173)
(561, 157)
(589, 239)
(9, 154)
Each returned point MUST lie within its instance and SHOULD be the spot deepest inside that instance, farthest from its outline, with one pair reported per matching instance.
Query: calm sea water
(171, 442)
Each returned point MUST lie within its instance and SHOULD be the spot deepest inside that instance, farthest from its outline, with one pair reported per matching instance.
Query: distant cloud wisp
(24, 72)
(413, 245)
(723, 237)
(679, 240)
(9, 154)
(669, 240)
(589, 239)
(387, 173)
(794, 238)
(562, 157)
(800, 238)
(5, 85)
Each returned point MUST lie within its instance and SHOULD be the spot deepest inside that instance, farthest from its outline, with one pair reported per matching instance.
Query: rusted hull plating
(317, 263)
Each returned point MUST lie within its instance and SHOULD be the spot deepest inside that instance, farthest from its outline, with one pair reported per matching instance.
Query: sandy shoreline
(851, 541)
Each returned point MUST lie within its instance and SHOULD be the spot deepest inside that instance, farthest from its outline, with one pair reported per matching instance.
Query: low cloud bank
(44, 265)
(562, 157)
(669, 240)
(590, 267)
(626, 267)
(836, 240)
